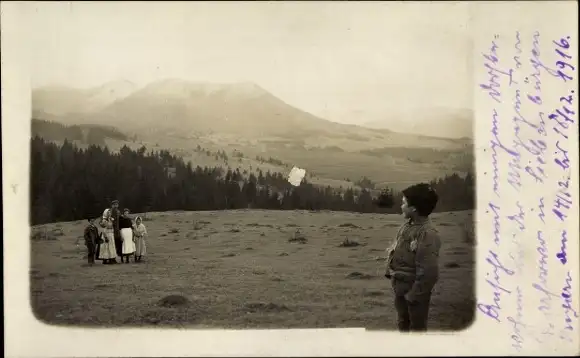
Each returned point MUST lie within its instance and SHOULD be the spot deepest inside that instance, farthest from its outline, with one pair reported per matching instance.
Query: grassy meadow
(247, 269)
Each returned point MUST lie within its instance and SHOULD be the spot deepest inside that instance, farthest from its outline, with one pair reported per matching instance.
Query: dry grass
(237, 269)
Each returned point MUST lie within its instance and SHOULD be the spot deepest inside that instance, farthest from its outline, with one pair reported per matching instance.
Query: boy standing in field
(91, 240)
(413, 259)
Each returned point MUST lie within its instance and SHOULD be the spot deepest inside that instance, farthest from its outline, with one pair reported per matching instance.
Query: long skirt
(128, 244)
(140, 247)
(118, 243)
(107, 250)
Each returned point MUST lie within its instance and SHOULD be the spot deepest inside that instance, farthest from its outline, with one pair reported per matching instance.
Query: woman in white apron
(107, 250)
(126, 228)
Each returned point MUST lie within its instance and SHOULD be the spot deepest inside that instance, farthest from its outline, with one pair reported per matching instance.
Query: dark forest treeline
(88, 134)
(68, 183)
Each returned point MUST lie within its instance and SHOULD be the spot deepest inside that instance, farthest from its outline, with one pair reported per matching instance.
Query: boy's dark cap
(423, 197)
(115, 202)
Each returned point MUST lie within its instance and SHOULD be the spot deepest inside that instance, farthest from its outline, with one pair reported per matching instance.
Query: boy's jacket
(414, 258)
(91, 235)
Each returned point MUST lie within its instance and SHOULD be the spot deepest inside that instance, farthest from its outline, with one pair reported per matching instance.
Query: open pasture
(247, 269)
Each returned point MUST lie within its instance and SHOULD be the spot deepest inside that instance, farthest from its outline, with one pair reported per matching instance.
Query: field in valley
(332, 168)
(238, 269)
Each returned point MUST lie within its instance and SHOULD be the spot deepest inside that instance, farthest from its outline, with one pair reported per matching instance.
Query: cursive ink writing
(529, 144)
(562, 254)
(541, 213)
(496, 223)
(518, 47)
(562, 158)
(519, 217)
(536, 57)
(517, 323)
(543, 274)
(493, 86)
(567, 305)
(513, 173)
(492, 310)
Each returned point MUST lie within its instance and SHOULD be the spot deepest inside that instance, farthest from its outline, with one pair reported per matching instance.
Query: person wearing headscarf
(107, 249)
(140, 233)
(126, 230)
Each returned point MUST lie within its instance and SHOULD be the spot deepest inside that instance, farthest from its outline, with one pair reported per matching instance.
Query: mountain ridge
(244, 109)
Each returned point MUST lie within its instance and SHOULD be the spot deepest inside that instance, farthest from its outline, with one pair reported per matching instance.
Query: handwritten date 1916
(562, 47)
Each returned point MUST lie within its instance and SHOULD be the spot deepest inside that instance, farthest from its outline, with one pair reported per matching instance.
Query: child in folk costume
(126, 229)
(413, 259)
(140, 233)
(108, 250)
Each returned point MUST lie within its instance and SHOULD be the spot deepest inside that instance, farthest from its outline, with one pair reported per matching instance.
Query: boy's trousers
(91, 247)
(411, 316)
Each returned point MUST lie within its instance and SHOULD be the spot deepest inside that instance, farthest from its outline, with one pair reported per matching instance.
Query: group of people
(412, 260)
(120, 237)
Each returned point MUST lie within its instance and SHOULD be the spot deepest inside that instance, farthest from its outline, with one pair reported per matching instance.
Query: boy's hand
(388, 272)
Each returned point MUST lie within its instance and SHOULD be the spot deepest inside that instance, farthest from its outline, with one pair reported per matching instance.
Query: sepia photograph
(252, 165)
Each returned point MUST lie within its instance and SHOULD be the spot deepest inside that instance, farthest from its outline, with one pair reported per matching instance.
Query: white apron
(128, 244)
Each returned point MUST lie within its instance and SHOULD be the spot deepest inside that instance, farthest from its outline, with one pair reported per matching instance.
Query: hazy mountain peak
(186, 89)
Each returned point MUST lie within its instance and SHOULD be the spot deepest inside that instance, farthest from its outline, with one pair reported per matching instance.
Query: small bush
(43, 235)
(173, 231)
(173, 301)
(358, 276)
(299, 237)
(349, 243)
(58, 232)
(349, 225)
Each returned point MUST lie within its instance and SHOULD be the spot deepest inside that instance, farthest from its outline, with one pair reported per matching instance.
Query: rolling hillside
(436, 122)
(180, 115)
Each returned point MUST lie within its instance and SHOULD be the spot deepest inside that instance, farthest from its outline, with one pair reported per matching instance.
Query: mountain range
(180, 115)
(236, 108)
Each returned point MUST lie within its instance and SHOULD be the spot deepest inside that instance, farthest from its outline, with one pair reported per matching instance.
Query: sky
(347, 62)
